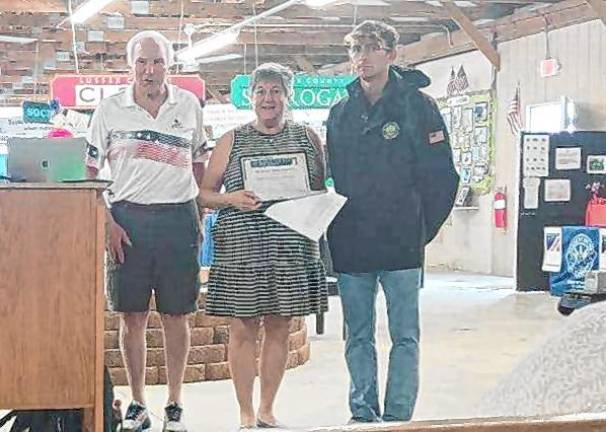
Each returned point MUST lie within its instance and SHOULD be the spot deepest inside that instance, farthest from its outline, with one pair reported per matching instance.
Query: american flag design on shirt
(151, 145)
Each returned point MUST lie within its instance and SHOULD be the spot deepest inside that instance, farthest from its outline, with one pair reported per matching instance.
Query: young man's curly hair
(377, 30)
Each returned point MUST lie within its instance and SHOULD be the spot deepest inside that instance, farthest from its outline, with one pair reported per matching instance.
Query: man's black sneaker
(173, 415)
(136, 418)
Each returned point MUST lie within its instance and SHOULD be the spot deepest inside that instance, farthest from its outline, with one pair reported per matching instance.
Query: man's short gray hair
(165, 45)
(273, 72)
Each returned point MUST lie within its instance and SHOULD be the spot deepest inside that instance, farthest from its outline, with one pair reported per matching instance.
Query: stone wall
(208, 355)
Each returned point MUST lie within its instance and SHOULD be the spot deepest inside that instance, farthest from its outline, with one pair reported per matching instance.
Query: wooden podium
(51, 298)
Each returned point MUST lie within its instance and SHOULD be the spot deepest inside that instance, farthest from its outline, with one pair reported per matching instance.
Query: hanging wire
(255, 35)
(355, 14)
(75, 50)
(448, 35)
(179, 66)
(547, 49)
(244, 59)
(37, 67)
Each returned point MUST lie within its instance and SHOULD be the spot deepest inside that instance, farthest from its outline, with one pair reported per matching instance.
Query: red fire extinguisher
(500, 210)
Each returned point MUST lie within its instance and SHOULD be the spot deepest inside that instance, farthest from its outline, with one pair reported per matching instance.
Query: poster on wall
(596, 164)
(531, 192)
(552, 249)
(536, 156)
(12, 125)
(469, 120)
(557, 190)
(602, 249)
(568, 158)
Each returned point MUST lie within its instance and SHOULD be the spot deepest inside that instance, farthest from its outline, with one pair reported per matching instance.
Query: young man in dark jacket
(389, 153)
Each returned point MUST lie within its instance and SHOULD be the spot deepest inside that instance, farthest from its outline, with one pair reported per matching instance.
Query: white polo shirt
(150, 159)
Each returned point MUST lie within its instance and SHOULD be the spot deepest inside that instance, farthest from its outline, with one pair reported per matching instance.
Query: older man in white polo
(151, 136)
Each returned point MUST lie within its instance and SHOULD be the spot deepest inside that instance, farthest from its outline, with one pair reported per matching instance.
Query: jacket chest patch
(390, 130)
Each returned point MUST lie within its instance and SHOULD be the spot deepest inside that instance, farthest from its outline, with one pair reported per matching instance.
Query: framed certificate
(276, 177)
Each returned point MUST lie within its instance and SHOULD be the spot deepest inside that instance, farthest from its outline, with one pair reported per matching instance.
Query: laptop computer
(46, 160)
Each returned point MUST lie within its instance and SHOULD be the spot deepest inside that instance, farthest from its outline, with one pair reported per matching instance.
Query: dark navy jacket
(393, 162)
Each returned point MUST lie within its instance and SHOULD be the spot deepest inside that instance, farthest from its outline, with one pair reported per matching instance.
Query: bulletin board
(469, 119)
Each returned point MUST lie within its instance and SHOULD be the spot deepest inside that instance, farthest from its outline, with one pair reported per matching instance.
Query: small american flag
(462, 83)
(451, 88)
(457, 83)
(514, 113)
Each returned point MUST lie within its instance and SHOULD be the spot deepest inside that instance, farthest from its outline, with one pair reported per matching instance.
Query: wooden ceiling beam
(599, 7)
(216, 94)
(560, 15)
(292, 37)
(476, 36)
(429, 48)
(33, 6)
(242, 10)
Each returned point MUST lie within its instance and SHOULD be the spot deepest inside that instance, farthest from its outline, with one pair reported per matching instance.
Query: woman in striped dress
(261, 269)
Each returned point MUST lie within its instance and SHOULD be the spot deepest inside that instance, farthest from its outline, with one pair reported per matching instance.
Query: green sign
(37, 112)
(309, 91)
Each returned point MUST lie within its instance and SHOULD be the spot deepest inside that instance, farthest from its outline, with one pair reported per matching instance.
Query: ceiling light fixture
(460, 3)
(208, 45)
(16, 39)
(88, 9)
(230, 35)
(320, 3)
(219, 58)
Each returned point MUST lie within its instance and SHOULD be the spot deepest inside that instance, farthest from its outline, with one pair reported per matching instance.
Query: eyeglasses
(274, 92)
(357, 50)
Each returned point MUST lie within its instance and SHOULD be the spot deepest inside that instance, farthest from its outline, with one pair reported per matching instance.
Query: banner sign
(309, 91)
(86, 91)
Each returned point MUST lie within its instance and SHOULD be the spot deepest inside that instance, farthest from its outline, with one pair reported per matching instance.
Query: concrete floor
(474, 330)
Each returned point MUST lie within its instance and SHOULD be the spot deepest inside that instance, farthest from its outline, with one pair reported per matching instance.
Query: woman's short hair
(165, 45)
(272, 72)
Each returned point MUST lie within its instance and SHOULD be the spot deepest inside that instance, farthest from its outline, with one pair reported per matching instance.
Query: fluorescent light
(369, 2)
(483, 21)
(319, 3)
(88, 9)
(409, 19)
(16, 39)
(219, 58)
(208, 45)
(456, 2)
(194, 65)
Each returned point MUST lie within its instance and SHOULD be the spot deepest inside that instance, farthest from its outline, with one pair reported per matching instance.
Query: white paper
(552, 249)
(568, 158)
(596, 164)
(531, 192)
(276, 177)
(602, 246)
(557, 190)
(536, 156)
(309, 216)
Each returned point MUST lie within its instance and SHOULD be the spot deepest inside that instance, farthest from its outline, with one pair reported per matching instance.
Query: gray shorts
(164, 258)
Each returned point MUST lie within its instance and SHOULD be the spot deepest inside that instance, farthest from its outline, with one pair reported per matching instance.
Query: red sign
(549, 67)
(86, 91)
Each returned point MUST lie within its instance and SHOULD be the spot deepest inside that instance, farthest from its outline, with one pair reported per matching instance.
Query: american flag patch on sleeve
(436, 137)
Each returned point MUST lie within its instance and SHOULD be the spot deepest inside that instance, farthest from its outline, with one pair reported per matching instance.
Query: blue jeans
(358, 296)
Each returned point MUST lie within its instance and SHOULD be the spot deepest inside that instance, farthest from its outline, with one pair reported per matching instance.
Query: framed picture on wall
(596, 164)
(463, 197)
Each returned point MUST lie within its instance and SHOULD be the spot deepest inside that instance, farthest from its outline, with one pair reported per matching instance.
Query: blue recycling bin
(580, 255)
(208, 249)
(3, 169)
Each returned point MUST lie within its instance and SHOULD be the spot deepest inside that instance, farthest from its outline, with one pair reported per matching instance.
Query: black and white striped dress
(261, 267)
